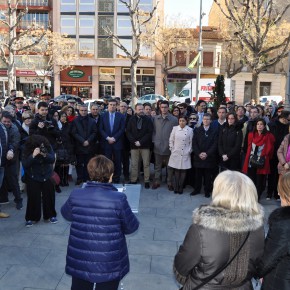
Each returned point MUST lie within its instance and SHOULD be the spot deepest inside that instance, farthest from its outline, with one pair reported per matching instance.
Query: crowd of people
(234, 153)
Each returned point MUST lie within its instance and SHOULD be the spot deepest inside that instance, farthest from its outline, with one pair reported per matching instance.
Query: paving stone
(176, 212)
(143, 233)
(51, 241)
(173, 234)
(162, 265)
(65, 283)
(17, 239)
(140, 264)
(151, 248)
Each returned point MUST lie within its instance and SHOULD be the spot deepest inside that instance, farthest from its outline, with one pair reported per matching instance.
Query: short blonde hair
(100, 169)
(235, 191)
(284, 186)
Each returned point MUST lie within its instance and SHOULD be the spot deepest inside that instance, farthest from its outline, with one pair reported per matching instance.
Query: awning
(78, 84)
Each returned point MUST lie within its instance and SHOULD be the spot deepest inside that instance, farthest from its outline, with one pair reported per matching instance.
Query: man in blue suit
(112, 127)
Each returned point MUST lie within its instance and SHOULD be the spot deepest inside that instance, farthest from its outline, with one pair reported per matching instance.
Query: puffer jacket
(214, 237)
(101, 217)
(274, 265)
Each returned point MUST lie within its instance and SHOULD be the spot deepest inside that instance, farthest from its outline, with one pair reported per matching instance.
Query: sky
(188, 9)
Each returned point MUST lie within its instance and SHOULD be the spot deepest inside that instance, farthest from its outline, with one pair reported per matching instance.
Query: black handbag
(62, 155)
(257, 161)
(208, 279)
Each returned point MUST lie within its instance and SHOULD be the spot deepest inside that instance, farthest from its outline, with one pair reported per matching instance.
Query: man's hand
(202, 155)
(41, 125)
(137, 143)
(286, 166)
(86, 143)
(10, 155)
(36, 152)
(225, 157)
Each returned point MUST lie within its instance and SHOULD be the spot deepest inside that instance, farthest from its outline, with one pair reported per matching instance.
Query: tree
(169, 38)
(257, 33)
(219, 96)
(56, 49)
(139, 20)
(12, 43)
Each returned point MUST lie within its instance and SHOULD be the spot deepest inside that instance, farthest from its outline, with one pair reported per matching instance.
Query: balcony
(34, 3)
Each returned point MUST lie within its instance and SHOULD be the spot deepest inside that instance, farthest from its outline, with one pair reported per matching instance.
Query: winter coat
(101, 217)
(82, 129)
(205, 141)
(267, 152)
(230, 143)
(50, 132)
(161, 133)
(274, 265)
(143, 135)
(214, 237)
(39, 168)
(180, 144)
(282, 154)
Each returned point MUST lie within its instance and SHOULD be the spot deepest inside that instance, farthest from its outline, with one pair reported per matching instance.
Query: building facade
(103, 69)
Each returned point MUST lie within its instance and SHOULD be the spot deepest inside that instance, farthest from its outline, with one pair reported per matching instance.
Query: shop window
(86, 25)
(106, 5)
(105, 48)
(105, 21)
(86, 47)
(207, 59)
(68, 6)
(68, 24)
(86, 5)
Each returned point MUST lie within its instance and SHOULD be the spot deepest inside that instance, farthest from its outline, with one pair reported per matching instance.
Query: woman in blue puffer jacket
(97, 255)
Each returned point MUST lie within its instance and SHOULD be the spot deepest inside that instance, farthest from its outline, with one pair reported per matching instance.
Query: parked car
(270, 99)
(151, 98)
(89, 102)
(67, 97)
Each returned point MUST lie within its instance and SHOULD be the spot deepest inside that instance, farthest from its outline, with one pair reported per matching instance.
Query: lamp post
(287, 97)
(200, 48)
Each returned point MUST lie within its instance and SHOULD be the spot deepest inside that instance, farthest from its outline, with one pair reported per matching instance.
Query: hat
(71, 101)
(19, 99)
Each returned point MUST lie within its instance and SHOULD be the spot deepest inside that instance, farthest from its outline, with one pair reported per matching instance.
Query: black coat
(274, 266)
(144, 135)
(84, 128)
(205, 142)
(279, 131)
(230, 143)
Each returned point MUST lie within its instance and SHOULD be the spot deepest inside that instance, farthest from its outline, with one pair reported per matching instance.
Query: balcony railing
(33, 3)
(28, 24)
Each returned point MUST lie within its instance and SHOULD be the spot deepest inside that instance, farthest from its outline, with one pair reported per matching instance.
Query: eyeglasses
(28, 118)
(192, 118)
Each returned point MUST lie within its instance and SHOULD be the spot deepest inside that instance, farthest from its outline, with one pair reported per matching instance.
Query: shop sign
(25, 73)
(3, 72)
(32, 80)
(76, 73)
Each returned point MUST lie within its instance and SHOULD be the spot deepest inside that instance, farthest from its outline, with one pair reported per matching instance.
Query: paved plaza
(34, 258)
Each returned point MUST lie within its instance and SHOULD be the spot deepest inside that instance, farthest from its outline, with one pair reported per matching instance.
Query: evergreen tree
(219, 91)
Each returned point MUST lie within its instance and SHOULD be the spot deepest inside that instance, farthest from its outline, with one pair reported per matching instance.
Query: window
(86, 47)
(124, 26)
(122, 7)
(68, 6)
(68, 24)
(105, 48)
(146, 5)
(127, 43)
(145, 52)
(181, 58)
(106, 6)
(207, 59)
(86, 25)
(86, 5)
(248, 92)
(40, 19)
(105, 21)
(265, 88)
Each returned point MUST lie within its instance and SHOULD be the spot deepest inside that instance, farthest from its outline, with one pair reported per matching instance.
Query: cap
(32, 101)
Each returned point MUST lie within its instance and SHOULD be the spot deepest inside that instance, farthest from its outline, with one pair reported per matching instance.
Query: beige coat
(282, 153)
(180, 145)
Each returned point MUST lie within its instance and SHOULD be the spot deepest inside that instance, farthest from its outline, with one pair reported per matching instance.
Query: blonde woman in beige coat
(284, 164)
(180, 145)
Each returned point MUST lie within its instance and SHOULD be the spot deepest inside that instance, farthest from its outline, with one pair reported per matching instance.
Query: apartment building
(272, 81)
(27, 80)
(102, 69)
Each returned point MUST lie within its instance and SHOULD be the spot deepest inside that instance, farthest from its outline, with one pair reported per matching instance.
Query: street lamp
(200, 49)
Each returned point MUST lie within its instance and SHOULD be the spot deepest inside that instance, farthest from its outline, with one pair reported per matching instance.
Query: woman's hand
(286, 166)
(225, 157)
(36, 152)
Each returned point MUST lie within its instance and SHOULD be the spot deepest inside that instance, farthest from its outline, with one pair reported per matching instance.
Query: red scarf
(70, 118)
(259, 140)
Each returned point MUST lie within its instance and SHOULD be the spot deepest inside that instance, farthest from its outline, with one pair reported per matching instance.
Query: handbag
(62, 155)
(54, 178)
(257, 161)
(208, 279)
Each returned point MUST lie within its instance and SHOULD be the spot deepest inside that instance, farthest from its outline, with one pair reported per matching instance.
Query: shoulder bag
(208, 279)
(257, 161)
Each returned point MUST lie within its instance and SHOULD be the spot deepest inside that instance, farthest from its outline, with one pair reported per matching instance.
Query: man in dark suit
(112, 128)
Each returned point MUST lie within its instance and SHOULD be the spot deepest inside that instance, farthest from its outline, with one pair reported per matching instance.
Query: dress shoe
(133, 182)
(207, 195)
(155, 185)
(180, 192)
(147, 185)
(194, 193)
(170, 187)
(176, 192)
(78, 182)
(57, 189)
(4, 215)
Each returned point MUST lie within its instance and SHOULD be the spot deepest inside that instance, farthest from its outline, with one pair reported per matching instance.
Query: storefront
(145, 82)
(3, 83)
(106, 82)
(77, 81)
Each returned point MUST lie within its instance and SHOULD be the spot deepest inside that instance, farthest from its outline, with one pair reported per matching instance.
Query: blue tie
(112, 122)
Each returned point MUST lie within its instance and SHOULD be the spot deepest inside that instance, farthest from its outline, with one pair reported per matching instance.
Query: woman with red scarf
(261, 143)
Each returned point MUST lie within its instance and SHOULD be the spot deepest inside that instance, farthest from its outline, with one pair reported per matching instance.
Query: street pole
(200, 48)
(287, 97)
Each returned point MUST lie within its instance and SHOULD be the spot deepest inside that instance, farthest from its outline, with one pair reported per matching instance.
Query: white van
(270, 99)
